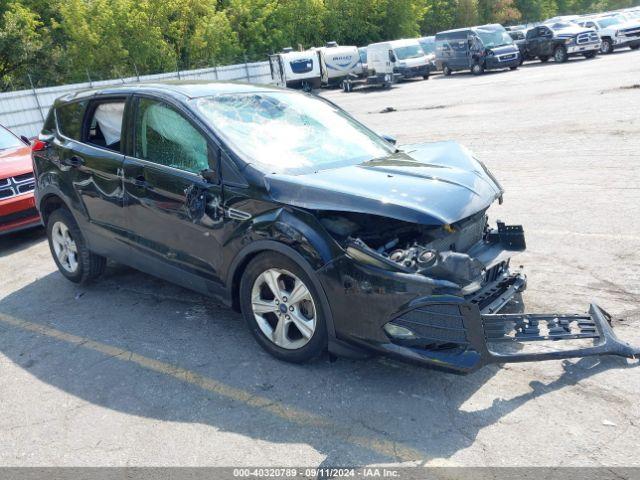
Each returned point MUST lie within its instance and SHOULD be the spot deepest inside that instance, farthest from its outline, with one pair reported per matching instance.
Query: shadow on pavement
(416, 409)
(15, 242)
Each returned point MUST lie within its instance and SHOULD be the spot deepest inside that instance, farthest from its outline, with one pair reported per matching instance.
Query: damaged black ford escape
(323, 233)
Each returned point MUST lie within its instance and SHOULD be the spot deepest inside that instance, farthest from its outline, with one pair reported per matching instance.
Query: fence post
(215, 72)
(89, 77)
(246, 69)
(137, 73)
(35, 95)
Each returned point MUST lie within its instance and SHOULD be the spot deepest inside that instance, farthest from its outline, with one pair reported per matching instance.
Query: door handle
(140, 181)
(74, 161)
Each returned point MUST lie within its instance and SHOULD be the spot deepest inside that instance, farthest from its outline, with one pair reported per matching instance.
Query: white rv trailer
(337, 62)
(296, 69)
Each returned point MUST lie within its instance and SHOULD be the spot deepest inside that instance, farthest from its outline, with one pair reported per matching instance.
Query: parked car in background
(428, 44)
(560, 41)
(322, 233)
(377, 62)
(486, 47)
(407, 59)
(615, 31)
(17, 206)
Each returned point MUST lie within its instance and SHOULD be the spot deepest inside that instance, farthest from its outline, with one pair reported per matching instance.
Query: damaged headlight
(396, 331)
(360, 254)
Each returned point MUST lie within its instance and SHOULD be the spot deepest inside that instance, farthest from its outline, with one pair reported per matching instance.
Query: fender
(275, 246)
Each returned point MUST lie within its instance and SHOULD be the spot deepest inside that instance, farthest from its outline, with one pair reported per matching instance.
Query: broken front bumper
(461, 339)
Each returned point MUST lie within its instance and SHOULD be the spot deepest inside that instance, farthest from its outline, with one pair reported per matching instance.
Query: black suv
(321, 232)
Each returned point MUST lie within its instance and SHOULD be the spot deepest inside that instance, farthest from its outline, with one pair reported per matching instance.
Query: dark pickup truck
(560, 41)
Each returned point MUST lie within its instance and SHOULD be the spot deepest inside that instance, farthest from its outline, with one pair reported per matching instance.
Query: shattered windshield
(8, 140)
(494, 37)
(288, 132)
(410, 51)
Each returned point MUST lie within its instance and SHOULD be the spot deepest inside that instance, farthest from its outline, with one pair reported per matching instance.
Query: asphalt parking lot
(135, 371)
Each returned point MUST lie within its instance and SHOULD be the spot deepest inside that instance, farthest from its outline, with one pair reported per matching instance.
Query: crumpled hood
(432, 184)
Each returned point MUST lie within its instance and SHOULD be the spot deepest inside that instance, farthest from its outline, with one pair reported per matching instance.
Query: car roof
(180, 89)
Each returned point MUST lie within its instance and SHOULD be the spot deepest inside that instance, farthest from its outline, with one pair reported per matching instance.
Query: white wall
(20, 112)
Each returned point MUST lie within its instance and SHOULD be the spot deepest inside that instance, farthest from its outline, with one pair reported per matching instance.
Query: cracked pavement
(134, 371)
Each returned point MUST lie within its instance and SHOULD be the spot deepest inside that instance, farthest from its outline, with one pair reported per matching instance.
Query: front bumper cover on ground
(471, 340)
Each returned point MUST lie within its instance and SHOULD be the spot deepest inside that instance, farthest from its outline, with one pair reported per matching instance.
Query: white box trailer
(294, 69)
(337, 62)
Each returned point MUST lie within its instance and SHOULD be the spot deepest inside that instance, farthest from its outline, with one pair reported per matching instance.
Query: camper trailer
(337, 62)
(294, 69)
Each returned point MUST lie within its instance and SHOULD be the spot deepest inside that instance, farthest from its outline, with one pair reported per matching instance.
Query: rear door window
(69, 119)
(104, 124)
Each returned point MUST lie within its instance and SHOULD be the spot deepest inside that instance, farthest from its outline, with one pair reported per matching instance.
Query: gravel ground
(135, 371)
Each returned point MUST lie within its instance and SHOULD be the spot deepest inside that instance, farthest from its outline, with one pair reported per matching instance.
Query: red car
(17, 207)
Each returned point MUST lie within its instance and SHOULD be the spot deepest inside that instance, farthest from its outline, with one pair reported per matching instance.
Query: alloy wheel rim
(605, 47)
(65, 247)
(283, 308)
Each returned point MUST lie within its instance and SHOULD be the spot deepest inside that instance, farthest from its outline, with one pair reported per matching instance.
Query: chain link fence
(24, 111)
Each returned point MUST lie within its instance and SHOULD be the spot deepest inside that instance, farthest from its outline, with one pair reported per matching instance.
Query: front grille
(18, 185)
(587, 37)
(435, 324)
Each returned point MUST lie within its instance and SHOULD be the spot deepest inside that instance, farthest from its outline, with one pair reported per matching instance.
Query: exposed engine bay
(446, 252)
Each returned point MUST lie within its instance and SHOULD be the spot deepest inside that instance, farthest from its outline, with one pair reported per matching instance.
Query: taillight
(38, 146)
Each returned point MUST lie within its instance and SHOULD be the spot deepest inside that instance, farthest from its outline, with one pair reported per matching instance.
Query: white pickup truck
(615, 30)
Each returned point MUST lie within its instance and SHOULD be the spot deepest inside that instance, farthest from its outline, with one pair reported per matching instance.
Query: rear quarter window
(69, 119)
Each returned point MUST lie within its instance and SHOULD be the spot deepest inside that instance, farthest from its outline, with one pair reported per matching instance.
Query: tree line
(50, 42)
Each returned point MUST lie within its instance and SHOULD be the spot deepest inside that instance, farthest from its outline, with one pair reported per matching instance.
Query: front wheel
(347, 86)
(607, 46)
(283, 308)
(590, 55)
(69, 249)
(446, 70)
(560, 55)
(477, 69)
(425, 77)
(513, 68)
(544, 58)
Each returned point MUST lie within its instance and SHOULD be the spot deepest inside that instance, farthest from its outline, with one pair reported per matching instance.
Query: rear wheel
(634, 47)
(607, 46)
(69, 249)
(425, 77)
(544, 58)
(513, 68)
(446, 70)
(590, 54)
(477, 69)
(560, 55)
(347, 86)
(282, 308)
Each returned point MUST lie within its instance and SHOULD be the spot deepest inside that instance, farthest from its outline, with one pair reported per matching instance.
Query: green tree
(21, 41)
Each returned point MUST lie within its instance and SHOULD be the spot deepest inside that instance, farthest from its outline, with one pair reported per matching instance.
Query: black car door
(546, 41)
(91, 153)
(174, 214)
(533, 42)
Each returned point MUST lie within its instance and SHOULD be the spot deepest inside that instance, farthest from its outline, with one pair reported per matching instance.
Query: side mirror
(392, 56)
(390, 139)
(209, 175)
(25, 140)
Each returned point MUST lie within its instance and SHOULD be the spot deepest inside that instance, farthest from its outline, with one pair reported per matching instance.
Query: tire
(606, 47)
(291, 344)
(544, 58)
(425, 77)
(590, 55)
(79, 266)
(346, 86)
(634, 47)
(446, 70)
(477, 69)
(513, 68)
(560, 55)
